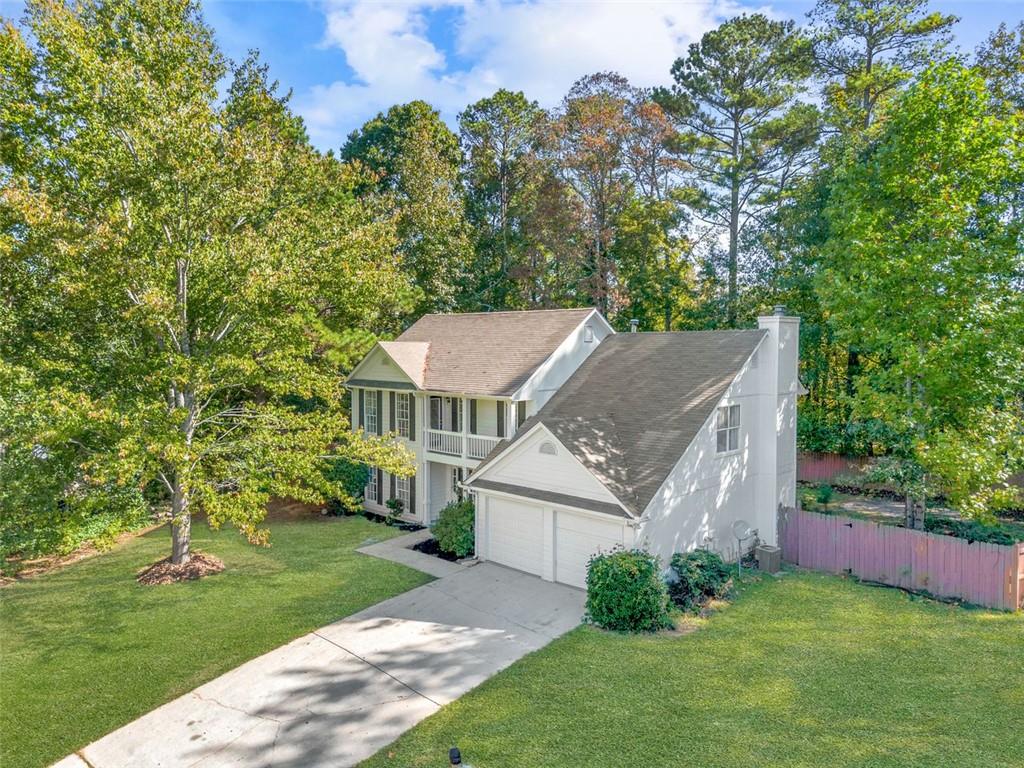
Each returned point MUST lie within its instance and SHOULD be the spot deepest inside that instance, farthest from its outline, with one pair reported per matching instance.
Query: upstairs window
(520, 413)
(370, 417)
(402, 414)
(728, 428)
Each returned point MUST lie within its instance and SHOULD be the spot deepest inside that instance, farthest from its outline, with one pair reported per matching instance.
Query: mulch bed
(164, 572)
(429, 547)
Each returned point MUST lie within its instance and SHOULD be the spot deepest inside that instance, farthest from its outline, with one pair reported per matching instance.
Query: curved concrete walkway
(337, 695)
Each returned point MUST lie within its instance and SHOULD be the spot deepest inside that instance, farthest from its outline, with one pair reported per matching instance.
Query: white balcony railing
(478, 446)
(452, 443)
(441, 441)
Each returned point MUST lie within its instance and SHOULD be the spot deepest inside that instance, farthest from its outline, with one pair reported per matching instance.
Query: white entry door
(577, 537)
(515, 533)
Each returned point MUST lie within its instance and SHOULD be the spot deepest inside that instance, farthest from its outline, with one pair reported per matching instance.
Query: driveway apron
(337, 695)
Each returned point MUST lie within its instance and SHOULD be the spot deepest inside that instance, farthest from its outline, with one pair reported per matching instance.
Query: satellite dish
(742, 531)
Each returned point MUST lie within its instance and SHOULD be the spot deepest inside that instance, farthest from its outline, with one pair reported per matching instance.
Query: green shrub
(454, 528)
(972, 530)
(824, 494)
(699, 576)
(625, 591)
(350, 479)
(397, 506)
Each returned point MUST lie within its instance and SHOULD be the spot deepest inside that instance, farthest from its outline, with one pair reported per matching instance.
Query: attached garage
(544, 539)
(515, 535)
(577, 538)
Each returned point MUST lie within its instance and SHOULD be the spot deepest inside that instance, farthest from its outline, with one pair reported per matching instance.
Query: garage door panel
(516, 535)
(577, 538)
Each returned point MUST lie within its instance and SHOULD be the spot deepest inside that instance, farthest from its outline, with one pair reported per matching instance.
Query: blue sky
(345, 60)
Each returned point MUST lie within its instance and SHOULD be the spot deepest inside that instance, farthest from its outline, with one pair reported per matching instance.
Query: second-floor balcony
(459, 444)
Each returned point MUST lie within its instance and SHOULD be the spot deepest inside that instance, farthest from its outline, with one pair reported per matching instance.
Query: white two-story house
(452, 386)
(574, 439)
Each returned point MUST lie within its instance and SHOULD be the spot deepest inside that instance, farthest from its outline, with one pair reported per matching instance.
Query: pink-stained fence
(829, 467)
(833, 468)
(984, 574)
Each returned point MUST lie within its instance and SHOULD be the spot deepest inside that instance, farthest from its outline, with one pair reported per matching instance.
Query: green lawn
(85, 650)
(808, 670)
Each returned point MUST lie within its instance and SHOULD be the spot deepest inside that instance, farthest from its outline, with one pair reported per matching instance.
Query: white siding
(377, 366)
(487, 416)
(525, 465)
(706, 491)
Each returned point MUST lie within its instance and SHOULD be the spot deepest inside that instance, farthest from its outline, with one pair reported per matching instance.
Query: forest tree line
(185, 278)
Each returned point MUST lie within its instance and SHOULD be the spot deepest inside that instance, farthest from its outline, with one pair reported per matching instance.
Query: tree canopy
(185, 280)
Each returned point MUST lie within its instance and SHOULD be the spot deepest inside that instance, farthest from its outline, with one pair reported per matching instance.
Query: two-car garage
(546, 539)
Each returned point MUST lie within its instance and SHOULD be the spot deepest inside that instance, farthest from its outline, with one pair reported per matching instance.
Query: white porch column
(465, 427)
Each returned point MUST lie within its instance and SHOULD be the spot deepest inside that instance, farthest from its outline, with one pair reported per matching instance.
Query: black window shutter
(472, 417)
(501, 418)
(391, 406)
(380, 486)
(412, 495)
(412, 416)
(391, 492)
(520, 413)
(456, 414)
(380, 412)
(360, 417)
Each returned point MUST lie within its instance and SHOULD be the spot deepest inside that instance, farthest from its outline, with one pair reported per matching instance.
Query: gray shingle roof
(631, 410)
(539, 494)
(489, 353)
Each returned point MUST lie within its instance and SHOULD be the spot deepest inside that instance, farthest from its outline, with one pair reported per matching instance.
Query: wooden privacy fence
(834, 468)
(985, 574)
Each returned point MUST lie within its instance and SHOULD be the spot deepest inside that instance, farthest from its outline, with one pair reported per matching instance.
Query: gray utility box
(769, 559)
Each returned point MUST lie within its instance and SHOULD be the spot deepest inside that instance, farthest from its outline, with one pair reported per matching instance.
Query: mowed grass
(806, 670)
(85, 650)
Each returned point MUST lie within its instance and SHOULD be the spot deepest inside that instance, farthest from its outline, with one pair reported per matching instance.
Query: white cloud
(539, 47)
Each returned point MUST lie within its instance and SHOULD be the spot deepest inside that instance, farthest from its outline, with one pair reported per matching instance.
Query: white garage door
(515, 532)
(576, 539)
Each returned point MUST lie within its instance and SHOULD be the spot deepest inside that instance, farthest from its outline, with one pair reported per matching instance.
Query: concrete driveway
(337, 695)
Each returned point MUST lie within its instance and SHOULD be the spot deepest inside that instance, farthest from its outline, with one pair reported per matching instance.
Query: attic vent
(588, 333)
(549, 448)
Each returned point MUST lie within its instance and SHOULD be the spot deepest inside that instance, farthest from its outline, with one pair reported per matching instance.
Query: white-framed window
(457, 477)
(402, 490)
(402, 405)
(588, 334)
(370, 417)
(372, 489)
(728, 429)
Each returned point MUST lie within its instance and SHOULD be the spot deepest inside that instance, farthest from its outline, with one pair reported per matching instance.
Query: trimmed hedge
(454, 528)
(699, 576)
(625, 591)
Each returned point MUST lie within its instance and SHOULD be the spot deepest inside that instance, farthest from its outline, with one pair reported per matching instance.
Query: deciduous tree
(924, 273)
(501, 137)
(417, 160)
(176, 269)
